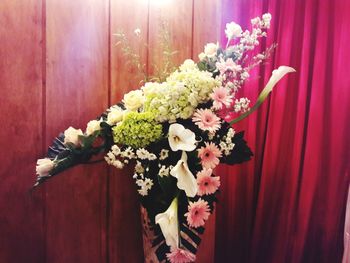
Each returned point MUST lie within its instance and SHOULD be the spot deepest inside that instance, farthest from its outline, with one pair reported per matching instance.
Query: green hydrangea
(137, 130)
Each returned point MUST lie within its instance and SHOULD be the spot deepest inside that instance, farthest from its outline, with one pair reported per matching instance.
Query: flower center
(208, 120)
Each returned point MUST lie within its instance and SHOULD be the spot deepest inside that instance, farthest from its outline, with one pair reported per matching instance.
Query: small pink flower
(206, 120)
(229, 64)
(179, 255)
(209, 155)
(221, 96)
(198, 213)
(207, 184)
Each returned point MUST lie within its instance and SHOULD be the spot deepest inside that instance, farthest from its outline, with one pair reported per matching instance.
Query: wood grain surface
(60, 66)
(124, 227)
(76, 92)
(22, 237)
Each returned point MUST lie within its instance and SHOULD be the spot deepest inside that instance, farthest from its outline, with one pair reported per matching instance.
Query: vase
(205, 253)
(147, 238)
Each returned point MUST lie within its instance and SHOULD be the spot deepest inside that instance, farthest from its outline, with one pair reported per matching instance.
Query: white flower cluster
(145, 185)
(164, 171)
(163, 154)
(242, 105)
(118, 158)
(227, 145)
(115, 152)
(180, 94)
(264, 22)
(111, 159)
(143, 154)
(249, 40)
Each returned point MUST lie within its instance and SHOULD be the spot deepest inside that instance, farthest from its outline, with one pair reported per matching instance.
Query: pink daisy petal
(179, 255)
(209, 155)
(221, 97)
(207, 184)
(229, 64)
(206, 120)
(198, 213)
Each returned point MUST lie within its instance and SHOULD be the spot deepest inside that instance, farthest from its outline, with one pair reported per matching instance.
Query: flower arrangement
(175, 133)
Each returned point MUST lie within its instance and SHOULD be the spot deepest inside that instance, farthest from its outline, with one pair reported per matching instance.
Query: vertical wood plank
(77, 91)
(21, 213)
(206, 24)
(178, 16)
(206, 29)
(125, 236)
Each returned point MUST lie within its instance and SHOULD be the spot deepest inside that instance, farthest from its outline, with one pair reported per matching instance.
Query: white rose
(210, 50)
(188, 65)
(201, 56)
(44, 166)
(115, 115)
(233, 30)
(93, 126)
(71, 135)
(133, 100)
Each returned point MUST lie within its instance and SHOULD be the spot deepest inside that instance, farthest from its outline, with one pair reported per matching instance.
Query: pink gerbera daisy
(198, 213)
(207, 184)
(209, 155)
(206, 120)
(221, 96)
(179, 255)
(229, 64)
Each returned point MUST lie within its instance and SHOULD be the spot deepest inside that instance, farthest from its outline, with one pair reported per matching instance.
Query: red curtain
(288, 203)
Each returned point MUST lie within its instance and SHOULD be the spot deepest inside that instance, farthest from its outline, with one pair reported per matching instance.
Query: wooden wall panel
(178, 16)
(206, 24)
(77, 91)
(125, 236)
(59, 60)
(21, 213)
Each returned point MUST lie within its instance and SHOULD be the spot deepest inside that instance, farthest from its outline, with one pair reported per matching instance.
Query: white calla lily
(185, 179)
(277, 74)
(169, 224)
(181, 138)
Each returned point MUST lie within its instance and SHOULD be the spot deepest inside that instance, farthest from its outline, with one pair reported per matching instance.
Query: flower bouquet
(175, 133)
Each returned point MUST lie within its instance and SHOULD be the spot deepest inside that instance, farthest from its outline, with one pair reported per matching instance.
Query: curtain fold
(288, 203)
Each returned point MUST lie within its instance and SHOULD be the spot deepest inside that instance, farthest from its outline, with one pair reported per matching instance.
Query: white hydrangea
(178, 97)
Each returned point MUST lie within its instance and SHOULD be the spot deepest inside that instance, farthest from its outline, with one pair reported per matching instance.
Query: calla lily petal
(181, 138)
(277, 74)
(169, 224)
(185, 179)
